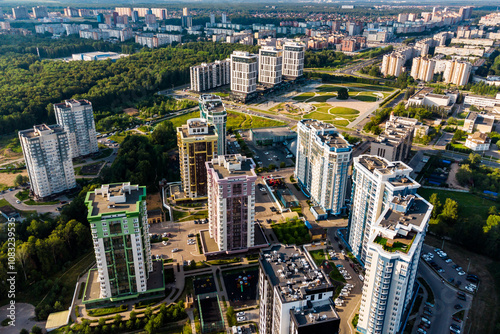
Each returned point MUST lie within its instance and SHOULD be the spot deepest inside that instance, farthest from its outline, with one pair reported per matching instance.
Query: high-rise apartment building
(135, 16)
(457, 72)
(124, 11)
(323, 159)
(20, 13)
(209, 76)
(394, 143)
(214, 112)
(224, 18)
(77, 119)
(197, 143)
(117, 216)
(295, 295)
(403, 17)
(150, 19)
(270, 66)
(187, 21)
(465, 12)
(375, 181)
(185, 11)
(393, 253)
(244, 69)
(392, 64)
(231, 202)
(423, 68)
(293, 60)
(47, 153)
(212, 19)
(160, 13)
(141, 11)
(40, 12)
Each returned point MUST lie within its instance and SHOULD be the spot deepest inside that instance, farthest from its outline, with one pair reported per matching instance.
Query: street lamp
(468, 265)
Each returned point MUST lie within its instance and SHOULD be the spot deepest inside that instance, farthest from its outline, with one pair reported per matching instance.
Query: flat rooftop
(316, 314)
(101, 204)
(413, 216)
(39, 129)
(212, 103)
(372, 162)
(334, 140)
(318, 125)
(290, 270)
(184, 130)
(246, 169)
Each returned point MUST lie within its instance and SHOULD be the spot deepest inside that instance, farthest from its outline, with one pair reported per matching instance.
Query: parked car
(240, 314)
(458, 306)
(190, 235)
(241, 319)
(175, 250)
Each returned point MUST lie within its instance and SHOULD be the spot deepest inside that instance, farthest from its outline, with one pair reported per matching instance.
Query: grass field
(341, 122)
(103, 153)
(120, 137)
(180, 120)
(364, 98)
(318, 256)
(303, 96)
(468, 204)
(239, 120)
(322, 116)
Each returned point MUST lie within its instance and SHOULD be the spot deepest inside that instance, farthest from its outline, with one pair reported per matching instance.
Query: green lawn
(335, 274)
(179, 214)
(343, 111)
(321, 116)
(468, 204)
(341, 122)
(318, 256)
(237, 120)
(364, 98)
(198, 215)
(120, 137)
(23, 195)
(11, 143)
(322, 98)
(180, 120)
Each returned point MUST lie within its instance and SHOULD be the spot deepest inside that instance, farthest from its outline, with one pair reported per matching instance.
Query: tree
(343, 94)
(36, 330)
(450, 211)
(434, 200)
(24, 331)
(282, 164)
(474, 159)
(20, 179)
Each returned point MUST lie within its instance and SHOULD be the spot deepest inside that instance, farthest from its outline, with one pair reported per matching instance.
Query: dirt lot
(7, 179)
(484, 309)
(153, 201)
(452, 180)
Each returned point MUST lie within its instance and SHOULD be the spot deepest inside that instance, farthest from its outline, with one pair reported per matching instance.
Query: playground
(241, 286)
(204, 284)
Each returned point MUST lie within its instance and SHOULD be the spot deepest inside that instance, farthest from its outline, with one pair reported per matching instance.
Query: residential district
(308, 197)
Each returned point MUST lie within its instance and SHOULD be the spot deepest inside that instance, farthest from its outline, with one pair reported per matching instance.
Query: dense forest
(29, 86)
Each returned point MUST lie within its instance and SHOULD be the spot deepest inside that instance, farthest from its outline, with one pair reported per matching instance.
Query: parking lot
(447, 268)
(179, 239)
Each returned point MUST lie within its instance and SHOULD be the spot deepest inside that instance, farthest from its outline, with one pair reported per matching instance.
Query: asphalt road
(10, 196)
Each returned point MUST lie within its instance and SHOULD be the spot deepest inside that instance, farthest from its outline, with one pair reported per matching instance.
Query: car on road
(18, 202)
(175, 250)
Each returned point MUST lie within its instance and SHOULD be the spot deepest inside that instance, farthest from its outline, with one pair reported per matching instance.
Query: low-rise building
(478, 122)
(478, 141)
